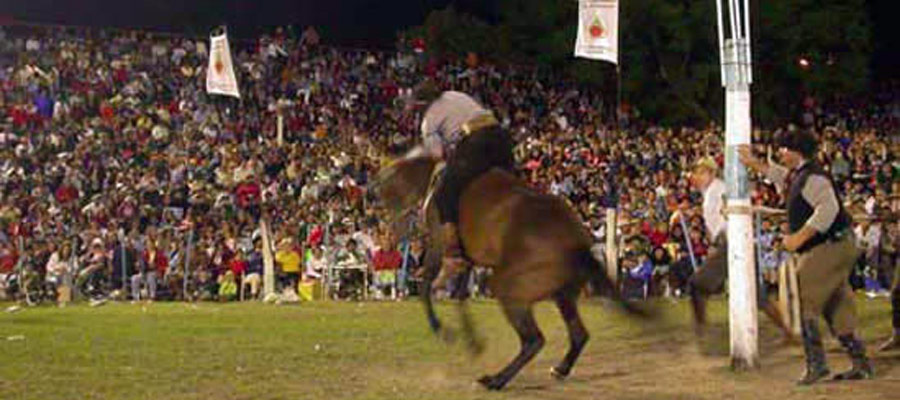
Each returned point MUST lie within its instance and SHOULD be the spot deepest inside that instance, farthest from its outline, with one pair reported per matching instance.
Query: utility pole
(737, 75)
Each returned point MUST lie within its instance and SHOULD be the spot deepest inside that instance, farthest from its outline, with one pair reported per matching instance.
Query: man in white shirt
(710, 278)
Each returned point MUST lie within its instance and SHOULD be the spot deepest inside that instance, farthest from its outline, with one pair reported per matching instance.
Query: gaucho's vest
(799, 210)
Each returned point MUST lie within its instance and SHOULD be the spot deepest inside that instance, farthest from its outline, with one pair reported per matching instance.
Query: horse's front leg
(521, 317)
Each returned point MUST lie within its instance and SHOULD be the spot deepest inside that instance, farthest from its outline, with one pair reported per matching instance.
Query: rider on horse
(460, 131)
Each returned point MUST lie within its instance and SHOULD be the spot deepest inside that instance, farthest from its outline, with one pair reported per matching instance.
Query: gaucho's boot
(453, 261)
(816, 368)
(862, 368)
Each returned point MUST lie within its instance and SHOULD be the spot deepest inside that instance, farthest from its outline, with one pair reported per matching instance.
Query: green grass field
(384, 351)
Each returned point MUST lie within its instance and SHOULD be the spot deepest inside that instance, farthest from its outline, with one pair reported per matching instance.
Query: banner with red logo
(220, 78)
(598, 30)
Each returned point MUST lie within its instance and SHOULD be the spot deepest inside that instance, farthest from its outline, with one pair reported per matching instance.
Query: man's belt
(832, 238)
(478, 123)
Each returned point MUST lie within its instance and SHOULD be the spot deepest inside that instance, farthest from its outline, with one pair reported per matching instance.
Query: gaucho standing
(823, 241)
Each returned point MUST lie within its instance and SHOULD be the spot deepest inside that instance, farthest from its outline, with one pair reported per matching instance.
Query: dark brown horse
(535, 245)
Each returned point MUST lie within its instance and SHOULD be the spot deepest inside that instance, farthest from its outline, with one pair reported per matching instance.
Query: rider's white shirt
(713, 201)
(444, 119)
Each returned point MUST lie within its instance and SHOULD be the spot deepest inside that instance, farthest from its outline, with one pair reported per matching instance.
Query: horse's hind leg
(475, 346)
(578, 335)
(521, 318)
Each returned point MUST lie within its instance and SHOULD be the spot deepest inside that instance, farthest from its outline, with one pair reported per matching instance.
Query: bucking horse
(535, 244)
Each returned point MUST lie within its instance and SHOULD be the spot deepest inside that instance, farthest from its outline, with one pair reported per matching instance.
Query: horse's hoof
(558, 373)
(491, 382)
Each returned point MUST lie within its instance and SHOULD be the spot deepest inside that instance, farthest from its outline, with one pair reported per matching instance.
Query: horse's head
(403, 184)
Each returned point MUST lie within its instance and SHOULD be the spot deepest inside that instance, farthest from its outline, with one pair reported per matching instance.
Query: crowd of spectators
(118, 170)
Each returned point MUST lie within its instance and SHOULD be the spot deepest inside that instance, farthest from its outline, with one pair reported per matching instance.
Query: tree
(832, 36)
(669, 60)
(449, 33)
(669, 54)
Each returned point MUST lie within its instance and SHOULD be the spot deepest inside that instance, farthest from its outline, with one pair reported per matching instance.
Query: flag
(598, 30)
(220, 78)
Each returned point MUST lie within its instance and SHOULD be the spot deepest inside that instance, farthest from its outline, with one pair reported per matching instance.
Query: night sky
(364, 23)
(350, 22)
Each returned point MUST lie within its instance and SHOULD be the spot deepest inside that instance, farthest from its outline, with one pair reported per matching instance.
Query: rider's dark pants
(474, 155)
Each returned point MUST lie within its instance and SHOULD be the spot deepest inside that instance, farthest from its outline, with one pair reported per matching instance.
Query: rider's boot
(453, 262)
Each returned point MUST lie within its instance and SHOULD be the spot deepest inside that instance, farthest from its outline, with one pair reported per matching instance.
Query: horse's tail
(448, 335)
(595, 271)
(432, 266)
(427, 299)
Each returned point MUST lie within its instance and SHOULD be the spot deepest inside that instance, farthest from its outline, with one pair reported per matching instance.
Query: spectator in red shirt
(154, 267)
(8, 259)
(237, 265)
(248, 197)
(386, 261)
(659, 234)
(315, 236)
(66, 193)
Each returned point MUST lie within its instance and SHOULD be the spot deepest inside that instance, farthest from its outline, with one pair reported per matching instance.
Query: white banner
(598, 30)
(220, 78)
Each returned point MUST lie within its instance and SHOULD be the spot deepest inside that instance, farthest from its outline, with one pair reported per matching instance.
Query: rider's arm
(432, 144)
(432, 137)
(417, 152)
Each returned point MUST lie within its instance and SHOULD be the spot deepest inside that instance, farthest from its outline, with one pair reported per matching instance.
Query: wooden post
(784, 300)
(66, 288)
(795, 297)
(243, 284)
(612, 251)
(268, 259)
(280, 139)
(123, 254)
(20, 266)
(187, 263)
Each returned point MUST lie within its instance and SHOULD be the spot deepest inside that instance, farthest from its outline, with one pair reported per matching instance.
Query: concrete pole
(741, 267)
(742, 283)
